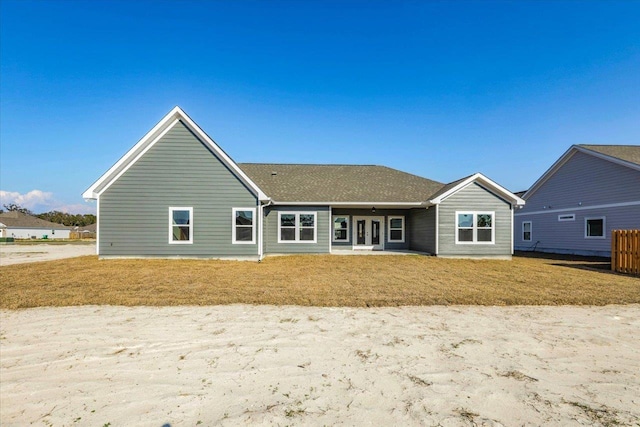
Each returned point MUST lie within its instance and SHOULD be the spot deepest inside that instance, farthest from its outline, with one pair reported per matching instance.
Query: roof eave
(492, 185)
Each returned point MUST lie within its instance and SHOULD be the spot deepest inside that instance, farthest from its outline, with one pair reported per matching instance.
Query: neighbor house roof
(17, 219)
(339, 183)
(625, 155)
(628, 153)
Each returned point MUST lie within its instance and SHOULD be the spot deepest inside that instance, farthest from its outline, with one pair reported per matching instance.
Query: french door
(368, 232)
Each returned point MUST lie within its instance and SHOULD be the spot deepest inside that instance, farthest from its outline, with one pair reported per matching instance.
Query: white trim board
(581, 208)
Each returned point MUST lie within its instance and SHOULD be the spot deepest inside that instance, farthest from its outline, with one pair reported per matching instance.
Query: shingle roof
(629, 153)
(339, 183)
(448, 187)
(19, 219)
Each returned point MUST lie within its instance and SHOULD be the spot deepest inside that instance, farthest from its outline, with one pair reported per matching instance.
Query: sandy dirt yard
(241, 364)
(19, 254)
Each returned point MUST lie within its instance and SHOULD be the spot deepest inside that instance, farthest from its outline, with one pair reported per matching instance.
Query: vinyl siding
(469, 199)
(423, 230)
(271, 229)
(179, 171)
(550, 235)
(586, 180)
(381, 213)
(583, 182)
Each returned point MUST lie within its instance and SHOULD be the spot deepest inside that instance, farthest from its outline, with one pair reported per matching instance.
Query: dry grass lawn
(315, 280)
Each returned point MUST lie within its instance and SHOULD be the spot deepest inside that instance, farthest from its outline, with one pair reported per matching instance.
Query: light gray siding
(379, 212)
(271, 229)
(568, 237)
(581, 184)
(423, 230)
(179, 171)
(474, 198)
(585, 180)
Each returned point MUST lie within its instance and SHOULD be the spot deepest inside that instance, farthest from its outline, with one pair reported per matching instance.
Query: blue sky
(439, 89)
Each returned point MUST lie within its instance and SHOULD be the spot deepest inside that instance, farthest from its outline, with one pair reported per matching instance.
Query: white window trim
(604, 227)
(530, 231)
(333, 222)
(233, 227)
(389, 228)
(475, 227)
(180, 242)
(566, 217)
(297, 226)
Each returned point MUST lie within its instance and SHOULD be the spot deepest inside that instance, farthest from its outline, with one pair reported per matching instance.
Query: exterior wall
(379, 212)
(580, 187)
(568, 237)
(423, 230)
(271, 227)
(474, 198)
(178, 171)
(38, 233)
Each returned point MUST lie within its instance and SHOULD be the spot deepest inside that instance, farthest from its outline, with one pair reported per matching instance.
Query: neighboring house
(176, 193)
(22, 226)
(572, 209)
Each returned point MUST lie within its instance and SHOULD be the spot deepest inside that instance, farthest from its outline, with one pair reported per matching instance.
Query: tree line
(78, 220)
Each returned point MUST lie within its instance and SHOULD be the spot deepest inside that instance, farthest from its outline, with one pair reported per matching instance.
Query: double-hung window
(340, 228)
(180, 225)
(396, 228)
(243, 226)
(297, 227)
(526, 231)
(475, 227)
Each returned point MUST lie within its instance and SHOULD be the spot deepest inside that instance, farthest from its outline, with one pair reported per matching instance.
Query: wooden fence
(625, 251)
(74, 235)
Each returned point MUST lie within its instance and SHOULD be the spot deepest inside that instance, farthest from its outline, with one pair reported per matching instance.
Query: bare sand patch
(244, 364)
(20, 254)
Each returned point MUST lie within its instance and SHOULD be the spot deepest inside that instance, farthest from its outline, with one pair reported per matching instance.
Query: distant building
(22, 226)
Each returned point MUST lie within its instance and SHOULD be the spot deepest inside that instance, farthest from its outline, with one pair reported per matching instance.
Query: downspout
(512, 225)
(261, 228)
(330, 229)
(98, 226)
(437, 229)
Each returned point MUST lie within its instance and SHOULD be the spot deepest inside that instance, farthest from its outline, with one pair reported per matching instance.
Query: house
(573, 207)
(23, 226)
(176, 193)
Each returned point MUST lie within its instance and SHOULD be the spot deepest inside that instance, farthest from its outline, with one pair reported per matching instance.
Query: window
(180, 225)
(243, 227)
(475, 227)
(340, 228)
(296, 227)
(526, 231)
(567, 217)
(396, 229)
(594, 228)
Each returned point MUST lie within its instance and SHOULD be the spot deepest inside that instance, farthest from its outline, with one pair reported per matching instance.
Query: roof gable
(174, 117)
(625, 155)
(346, 184)
(455, 186)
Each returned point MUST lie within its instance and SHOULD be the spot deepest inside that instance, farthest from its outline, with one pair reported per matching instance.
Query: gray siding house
(572, 209)
(176, 193)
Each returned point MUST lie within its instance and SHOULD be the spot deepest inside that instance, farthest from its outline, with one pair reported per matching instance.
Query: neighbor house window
(243, 226)
(526, 231)
(340, 228)
(297, 227)
(396, 228)
(567, 217)
(180, 225)
(475, 227)
(594, 228)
